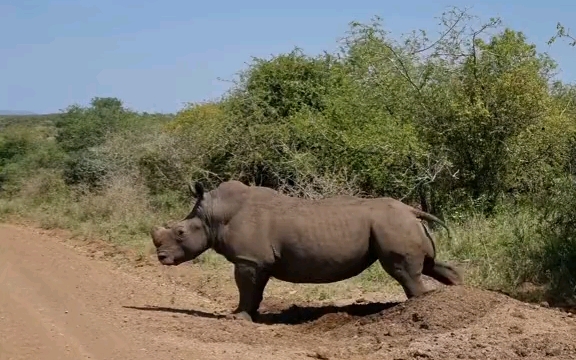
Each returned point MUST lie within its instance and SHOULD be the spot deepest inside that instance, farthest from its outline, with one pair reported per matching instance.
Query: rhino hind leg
(251, 281)
(443, 272)
(408, 272)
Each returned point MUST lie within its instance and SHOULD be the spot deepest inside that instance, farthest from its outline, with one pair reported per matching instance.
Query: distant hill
(26, 118)
(15, 112)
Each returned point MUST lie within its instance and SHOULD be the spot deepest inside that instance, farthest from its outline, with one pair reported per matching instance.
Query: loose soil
(63, 299)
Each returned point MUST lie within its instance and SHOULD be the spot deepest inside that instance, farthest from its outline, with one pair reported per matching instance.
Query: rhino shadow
(293, 315)
(177, 311)
(297, 314)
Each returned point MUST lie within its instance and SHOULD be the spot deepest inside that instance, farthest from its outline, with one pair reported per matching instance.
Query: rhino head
(188, 238)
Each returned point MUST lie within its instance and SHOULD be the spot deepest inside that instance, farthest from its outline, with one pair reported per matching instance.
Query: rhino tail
(429, 236)
(429, 217)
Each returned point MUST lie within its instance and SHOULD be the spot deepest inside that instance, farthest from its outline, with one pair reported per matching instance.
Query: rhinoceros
(268, 234)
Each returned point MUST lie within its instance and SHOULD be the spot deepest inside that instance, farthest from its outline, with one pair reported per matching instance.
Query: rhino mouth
(166, 259)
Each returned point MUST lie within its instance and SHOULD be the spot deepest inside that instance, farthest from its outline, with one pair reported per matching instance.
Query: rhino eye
(180, 232)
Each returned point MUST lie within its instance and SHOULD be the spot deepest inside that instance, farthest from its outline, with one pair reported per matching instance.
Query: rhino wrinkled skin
(267, 234)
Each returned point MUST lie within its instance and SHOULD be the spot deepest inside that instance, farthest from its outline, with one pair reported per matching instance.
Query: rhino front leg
(251, 281)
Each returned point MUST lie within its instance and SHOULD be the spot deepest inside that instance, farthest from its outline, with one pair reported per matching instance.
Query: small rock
(518, 314)
(416, 317)
(317, 355)
(521, 352)
(421, 354)
(555, 351)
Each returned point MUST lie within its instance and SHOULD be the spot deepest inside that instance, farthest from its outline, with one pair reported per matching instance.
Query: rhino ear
(199, 194)
(199, 190)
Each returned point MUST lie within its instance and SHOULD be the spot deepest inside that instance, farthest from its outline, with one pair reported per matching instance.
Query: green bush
(81, 128)
(15, 142)
(23, 151)
(160, 173)
(553, 262)
(85, 169)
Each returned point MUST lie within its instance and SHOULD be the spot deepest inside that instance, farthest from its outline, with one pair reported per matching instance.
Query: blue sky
(156, 56)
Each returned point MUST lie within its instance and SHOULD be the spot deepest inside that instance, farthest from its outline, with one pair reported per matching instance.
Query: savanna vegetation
(472, 126)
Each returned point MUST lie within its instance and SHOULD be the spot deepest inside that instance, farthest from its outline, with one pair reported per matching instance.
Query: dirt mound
(450, 323)
(444, 309)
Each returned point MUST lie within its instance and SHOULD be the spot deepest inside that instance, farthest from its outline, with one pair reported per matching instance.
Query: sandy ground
(62, 300)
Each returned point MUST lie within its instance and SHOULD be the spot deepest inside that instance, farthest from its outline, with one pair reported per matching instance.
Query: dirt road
(58, 301)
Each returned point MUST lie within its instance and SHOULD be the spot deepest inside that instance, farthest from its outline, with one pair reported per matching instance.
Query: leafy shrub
(15, 142)
(161, 173)
(81, 128)
(554, 260)
(85, 170)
